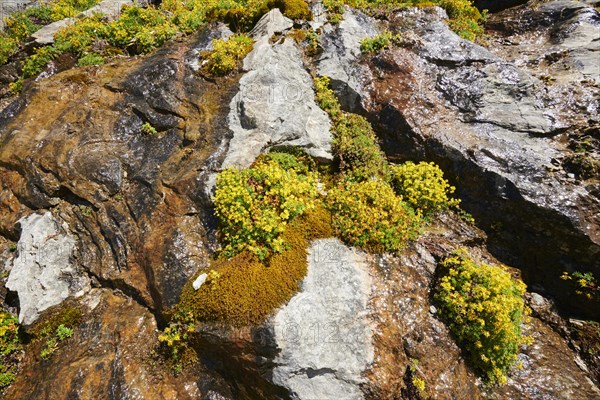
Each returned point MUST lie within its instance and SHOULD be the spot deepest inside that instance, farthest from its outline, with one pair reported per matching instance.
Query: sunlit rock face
(131, 212)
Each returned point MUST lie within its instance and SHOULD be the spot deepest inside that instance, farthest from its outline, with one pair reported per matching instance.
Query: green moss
(483, 307)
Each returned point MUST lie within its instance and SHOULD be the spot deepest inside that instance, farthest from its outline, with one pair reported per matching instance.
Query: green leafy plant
(378, 42)
(148, 129)
(62, 333)
(9, 345)
(227, 54)
(585, 283)
(423, 186)
(370, 215)
(254, 205)
(483, 307)
(175, 338)
(90, 59)
(293, 9)
(354, 141)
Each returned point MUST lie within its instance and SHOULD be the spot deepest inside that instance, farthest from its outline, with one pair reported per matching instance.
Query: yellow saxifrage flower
(254, 205)
(484, 308)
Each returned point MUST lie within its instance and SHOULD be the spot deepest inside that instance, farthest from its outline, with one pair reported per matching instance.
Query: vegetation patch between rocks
(484, 308)
(10, 346)
(464, 18)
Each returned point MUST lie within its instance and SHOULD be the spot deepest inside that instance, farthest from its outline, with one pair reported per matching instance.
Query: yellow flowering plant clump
(585, 284)
(370, 215)
(255, 204)
(423, 186)
(483, 307)
(176, 338)
(227, 54)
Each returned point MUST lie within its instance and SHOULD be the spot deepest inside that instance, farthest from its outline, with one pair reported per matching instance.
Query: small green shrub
(483, 307)
(422, 186)
(38, 61)
(175, 338)
(354, 141)
(90, 59)
(62, 333)
(288, 161)
(16, 87)
(8, 47)
(255, 204)
(465, 18)
(335, 10)
(9, 334)
(357, 149)
(227, 54)
(370, 215)
(66, 316)
(69, 8)
(378, 42)
(148, 129)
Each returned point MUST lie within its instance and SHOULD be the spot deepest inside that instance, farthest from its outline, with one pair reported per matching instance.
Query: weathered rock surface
(275, 104)
(138, 206)
(341, 47)
(133, 201)
(411, 341)
(323, 333)
(496, 130)
(44, 273)
(8, 7)
(45, 35)
(108, 357)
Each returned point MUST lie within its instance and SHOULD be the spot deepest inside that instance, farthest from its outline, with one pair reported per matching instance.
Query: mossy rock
(248, 290)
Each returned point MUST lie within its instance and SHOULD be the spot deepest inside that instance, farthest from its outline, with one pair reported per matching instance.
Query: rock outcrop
(44, 273)
(323, 334)
(411, 341)
(134, 209)
(495, 129)
(108, 356)
(275, 104)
